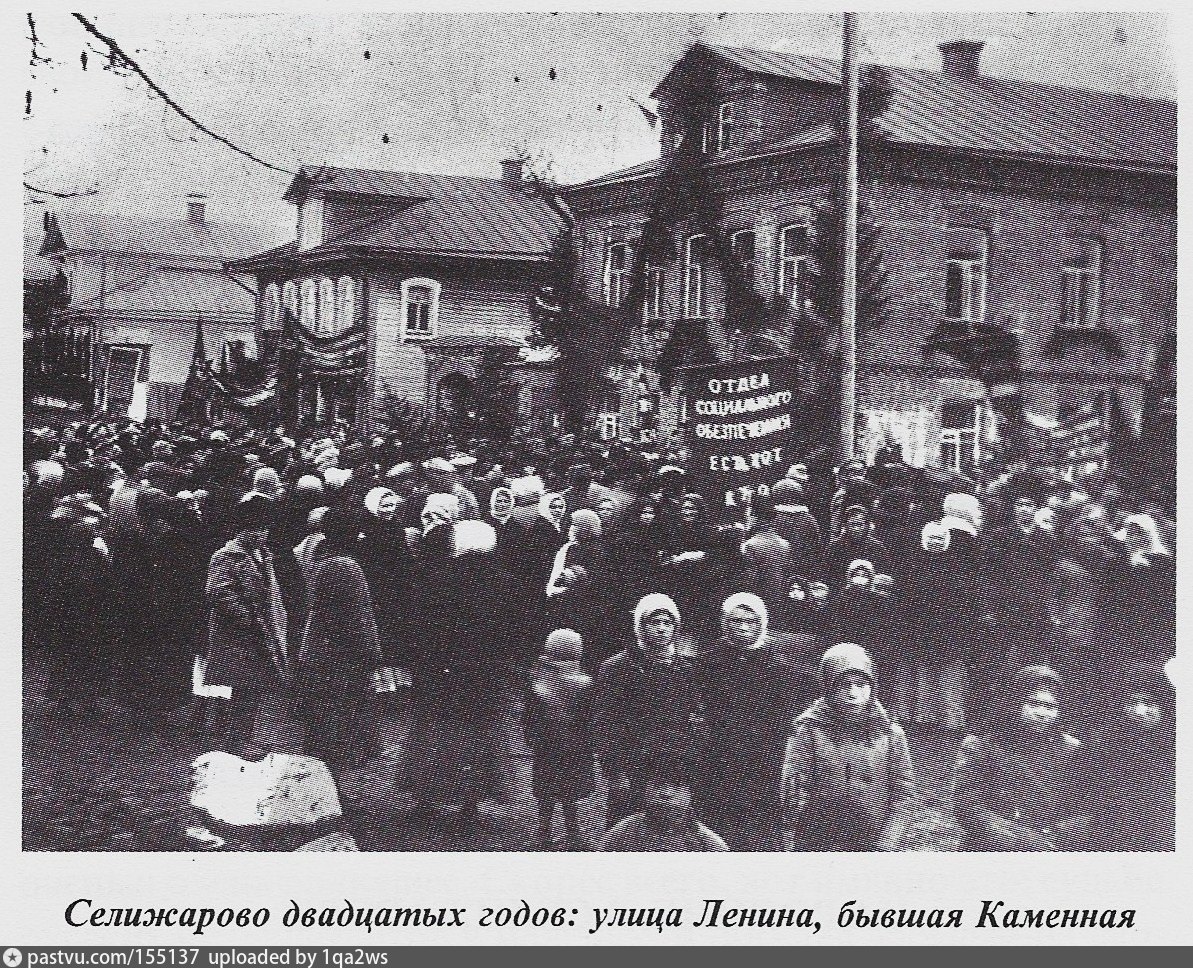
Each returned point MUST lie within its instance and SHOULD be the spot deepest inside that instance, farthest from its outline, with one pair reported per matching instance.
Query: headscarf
(842, 658)
(931, 529)
(862, 564)
(1147, 524)
(440, 509)
(751, 603)
(648, 605)
(586, 525)
(962, 512)
(267, 482)
(1023, 685)
(374, 498)
(544, 506)
(308, 484)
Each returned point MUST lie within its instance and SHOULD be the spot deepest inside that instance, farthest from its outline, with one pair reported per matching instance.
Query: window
(290, 298)
(960, 435)
(965, 287)
(420, 308)
(793, 262)
(608, 421)
(696, 257)
(271, 308)
(655, 292)
(310, 305)
(743, 253)
(1081, 294)
(327, 306)
(724, 126)
(618, 265)
(706, 138)
(346, 302)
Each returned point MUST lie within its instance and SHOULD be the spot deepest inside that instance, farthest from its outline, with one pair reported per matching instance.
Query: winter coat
(750, 698)
(799, 528)
(386, 562)
(241, 652)
(1014, 794)
(340, 647)
(639, 702)
(848, 784)
(844, 550)
(556, 721)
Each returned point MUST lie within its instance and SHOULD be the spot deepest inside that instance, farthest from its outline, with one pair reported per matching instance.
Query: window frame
(435, 289)
(291, 299)
(326, 316)
(749, 268)
(624, 276)
(1081, 288)
(271, 305)
(346, 302)
(797, 263)
(697, 270)
(972, 267)
(725, 123)
(965, 441)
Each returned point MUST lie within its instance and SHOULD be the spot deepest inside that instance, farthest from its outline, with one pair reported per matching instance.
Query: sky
(451, 93)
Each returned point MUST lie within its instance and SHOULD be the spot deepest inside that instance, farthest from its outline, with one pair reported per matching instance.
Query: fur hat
(843, 658)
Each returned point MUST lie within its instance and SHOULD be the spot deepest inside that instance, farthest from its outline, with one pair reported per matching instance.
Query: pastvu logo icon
(12, 957)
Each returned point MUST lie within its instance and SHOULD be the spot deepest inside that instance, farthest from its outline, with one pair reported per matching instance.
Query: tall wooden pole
(849, 202)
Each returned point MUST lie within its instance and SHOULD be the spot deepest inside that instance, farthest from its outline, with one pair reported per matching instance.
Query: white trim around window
(794, 244)
(965, 287)
(420, 308)
(695, 281)
(619, 262)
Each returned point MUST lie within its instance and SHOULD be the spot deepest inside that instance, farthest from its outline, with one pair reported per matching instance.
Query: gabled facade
(397, 282)
(138, 286)
(1003, 207)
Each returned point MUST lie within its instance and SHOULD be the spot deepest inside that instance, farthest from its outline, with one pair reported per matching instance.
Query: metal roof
(178, 293)
(993, 115)
(439, 214)
(217, 241)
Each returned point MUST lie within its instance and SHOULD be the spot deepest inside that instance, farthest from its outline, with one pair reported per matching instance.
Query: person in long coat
(339, 654)
(384, 557)
(751, 694)
(247, 648)
(577, 590)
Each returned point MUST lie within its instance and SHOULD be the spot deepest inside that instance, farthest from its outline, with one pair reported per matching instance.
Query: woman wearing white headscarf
(751, 694)
(385, 560)
(647, 695)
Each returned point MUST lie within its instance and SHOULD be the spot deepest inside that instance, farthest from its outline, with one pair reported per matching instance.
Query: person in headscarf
(296, 506)
(750, 694)
(1142, 597)
(687, 568)
(527, 544)
(1021, 786)
(793, 521)
(764, 566)
(339, 654)
(385, 559)
(557, 711)
(847, 783)
(267, 483)
(439, 513)
(854, 542)
(576, 589)
(938, 602)
(648, 693)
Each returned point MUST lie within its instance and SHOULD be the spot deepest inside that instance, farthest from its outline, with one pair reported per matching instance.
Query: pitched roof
(993, 115)
(439, 214)
(177, 293)
(102, 232)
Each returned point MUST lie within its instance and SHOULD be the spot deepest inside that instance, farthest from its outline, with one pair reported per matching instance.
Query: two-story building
(138, 287)
(1045, 212)
(398, 282)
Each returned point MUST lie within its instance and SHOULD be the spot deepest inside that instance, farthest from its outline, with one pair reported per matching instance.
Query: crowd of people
(740, 677)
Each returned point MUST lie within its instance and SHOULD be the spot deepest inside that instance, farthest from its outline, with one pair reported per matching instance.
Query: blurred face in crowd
(1025, 513)
(658, 632)
(1137, 539)
(799, 472)
(605, 510)
(387, 507)
(689, 511)
(936, 541)
(818, 591)
(1040, 711)
(859, 577)
(557, 508)
(667, 801)
(857, 526)
(647, 514)
(851, 694)
(853, 471)
(743, 627)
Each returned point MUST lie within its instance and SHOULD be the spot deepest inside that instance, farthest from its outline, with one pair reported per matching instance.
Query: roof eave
(320, 255)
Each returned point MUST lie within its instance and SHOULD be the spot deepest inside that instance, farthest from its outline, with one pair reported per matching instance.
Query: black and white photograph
(501, 431)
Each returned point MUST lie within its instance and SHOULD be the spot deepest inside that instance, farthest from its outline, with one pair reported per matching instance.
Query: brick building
(1045, 212)
(399, 282)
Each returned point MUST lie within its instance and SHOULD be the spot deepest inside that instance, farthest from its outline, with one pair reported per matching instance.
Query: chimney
(512, 170)
(959, 59)
(196, 208)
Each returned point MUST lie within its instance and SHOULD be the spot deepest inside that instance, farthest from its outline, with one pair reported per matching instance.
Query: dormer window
(725, 126)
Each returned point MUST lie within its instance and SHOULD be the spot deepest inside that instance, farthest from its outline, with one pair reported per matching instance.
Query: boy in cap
(848, 784)
(557, 712)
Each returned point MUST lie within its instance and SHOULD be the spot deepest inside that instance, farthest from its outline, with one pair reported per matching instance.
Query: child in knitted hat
(847, 778)
(556, 725)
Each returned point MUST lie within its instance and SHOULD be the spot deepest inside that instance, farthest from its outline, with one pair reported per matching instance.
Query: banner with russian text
(742, 435)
